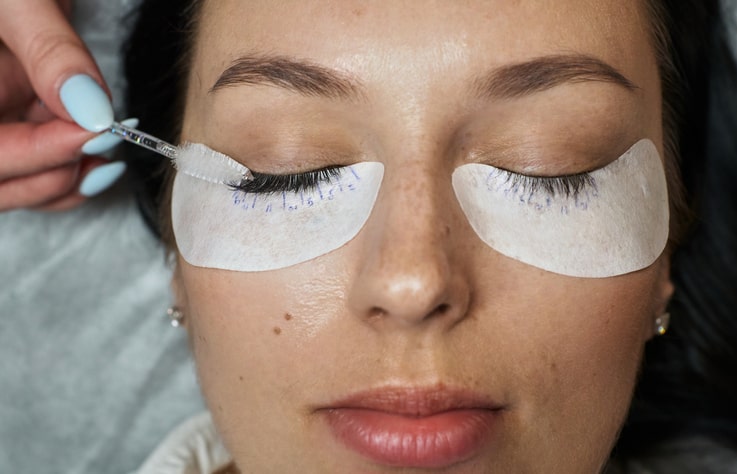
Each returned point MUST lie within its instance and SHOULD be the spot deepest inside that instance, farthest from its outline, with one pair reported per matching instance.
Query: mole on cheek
(287, 317)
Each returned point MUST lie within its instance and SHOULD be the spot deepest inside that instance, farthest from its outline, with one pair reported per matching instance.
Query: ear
(179, 293)
(662, 293)
(664, 286)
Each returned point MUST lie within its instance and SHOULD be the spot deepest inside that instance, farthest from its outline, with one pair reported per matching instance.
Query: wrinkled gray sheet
(91, 374)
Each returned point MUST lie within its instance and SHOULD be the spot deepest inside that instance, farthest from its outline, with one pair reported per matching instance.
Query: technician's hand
(48, 79)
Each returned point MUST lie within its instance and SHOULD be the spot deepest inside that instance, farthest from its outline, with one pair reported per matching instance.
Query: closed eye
(263, 183)
(569, 186)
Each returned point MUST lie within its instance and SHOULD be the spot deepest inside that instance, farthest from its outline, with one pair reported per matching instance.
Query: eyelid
(532, 161)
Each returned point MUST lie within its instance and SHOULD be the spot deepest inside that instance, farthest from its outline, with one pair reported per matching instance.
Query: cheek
(256, 338)
(244, 322)
(573, 349)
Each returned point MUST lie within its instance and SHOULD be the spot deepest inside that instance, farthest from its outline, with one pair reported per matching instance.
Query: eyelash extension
(569, 186)
(277, 183)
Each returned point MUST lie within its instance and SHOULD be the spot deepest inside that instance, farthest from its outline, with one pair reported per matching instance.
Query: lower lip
(434, 441)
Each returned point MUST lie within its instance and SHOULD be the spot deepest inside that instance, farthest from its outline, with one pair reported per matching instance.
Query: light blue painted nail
(101, 178)
(107, 141)
(87, 103)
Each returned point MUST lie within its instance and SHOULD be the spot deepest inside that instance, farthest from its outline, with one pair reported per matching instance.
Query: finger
(66, 7)
(35, 190)
(15, 88)
(30, 148)
(52, 53)
(36, 112)
(100, 178)
(32, 110)
(64, 203)
(73, 198)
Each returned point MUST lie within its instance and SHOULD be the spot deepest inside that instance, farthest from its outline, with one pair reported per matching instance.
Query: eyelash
(569, 186)
(277, 183)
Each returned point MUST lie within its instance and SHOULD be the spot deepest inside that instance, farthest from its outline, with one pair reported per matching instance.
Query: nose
(410, 274)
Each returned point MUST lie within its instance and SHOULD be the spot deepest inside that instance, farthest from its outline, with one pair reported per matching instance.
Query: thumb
(59, 66)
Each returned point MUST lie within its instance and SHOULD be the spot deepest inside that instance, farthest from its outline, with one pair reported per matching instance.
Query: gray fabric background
(91, 374)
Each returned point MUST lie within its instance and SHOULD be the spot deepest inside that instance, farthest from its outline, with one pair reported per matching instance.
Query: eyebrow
(510, 81)
(299, 76)
(541, 74)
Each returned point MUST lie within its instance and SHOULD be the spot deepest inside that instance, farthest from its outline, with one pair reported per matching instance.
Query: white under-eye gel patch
(615, 223)
(216, 226)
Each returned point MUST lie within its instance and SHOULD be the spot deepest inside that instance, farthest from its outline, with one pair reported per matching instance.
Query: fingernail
(87, 103)
(101, 178)
(107, 141)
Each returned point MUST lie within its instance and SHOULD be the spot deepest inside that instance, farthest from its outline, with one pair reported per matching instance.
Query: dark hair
(689, 377)
(156, 59)
(688, 385)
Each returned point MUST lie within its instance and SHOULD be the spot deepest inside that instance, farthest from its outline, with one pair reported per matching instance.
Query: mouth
(414, 427)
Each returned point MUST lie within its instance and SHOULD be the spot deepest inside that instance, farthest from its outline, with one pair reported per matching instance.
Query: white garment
(194, 447)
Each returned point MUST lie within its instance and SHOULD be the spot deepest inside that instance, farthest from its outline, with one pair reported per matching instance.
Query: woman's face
(416, 345)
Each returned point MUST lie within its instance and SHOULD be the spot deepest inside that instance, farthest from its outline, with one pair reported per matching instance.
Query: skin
(417, 299)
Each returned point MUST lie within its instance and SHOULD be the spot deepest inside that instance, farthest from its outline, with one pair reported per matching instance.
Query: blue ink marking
(319, 190)
(581, 205)
(295, 201)
(523, 195)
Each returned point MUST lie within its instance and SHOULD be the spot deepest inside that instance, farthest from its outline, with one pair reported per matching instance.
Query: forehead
(342, 33)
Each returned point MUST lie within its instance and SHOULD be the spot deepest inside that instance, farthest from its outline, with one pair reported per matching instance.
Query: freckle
(277, 330)
(287, 317)
(240, 378)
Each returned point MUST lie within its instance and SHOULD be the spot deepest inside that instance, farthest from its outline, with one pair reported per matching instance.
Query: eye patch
(223, 220)
(609, 222)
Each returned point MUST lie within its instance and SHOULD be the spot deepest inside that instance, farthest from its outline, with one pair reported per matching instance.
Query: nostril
(442, 309)
(376, 313)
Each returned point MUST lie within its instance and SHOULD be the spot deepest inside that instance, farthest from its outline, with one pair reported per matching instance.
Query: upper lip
(415, 401)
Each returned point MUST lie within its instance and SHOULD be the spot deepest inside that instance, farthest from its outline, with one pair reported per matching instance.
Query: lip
(414, 427)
